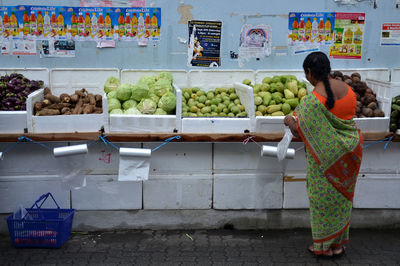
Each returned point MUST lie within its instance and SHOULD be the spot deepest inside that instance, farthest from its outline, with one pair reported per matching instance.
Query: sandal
(323, 256)
(340, 251)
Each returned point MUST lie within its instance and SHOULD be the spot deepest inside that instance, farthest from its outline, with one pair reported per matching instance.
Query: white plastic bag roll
(70, 150)
(272, 151)
(134, 164)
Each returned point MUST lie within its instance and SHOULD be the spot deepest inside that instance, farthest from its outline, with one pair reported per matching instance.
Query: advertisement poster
(205, 43)
(24, 47)
(390, 34)
(80, 23)
(311, 28)
(9, 23)
(255, 41)
(57, 48)
(349, 35)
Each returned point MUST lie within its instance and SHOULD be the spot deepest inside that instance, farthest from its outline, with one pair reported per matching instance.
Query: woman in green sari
(324, 122)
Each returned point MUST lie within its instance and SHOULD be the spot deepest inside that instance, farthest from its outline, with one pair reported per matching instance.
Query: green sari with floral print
(333, 152)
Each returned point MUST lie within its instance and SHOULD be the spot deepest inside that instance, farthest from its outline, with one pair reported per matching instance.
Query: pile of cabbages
(151, 95)
(14, 90)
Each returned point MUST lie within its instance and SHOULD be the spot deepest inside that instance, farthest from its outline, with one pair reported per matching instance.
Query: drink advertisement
(80, 23)
(348, 36)
(9, 23)
(311, 28)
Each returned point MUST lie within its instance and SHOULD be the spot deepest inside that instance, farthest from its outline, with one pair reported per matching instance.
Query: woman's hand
(290, 122)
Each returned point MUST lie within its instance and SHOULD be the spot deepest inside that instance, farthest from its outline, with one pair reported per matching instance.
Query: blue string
(93, 141)
(21, 139)
(106, 141)
(165, 142)
(382, 140)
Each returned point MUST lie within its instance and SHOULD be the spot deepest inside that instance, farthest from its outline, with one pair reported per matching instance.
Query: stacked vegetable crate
(15, 121)
(68, 81)
(208, 80)
(150, 123)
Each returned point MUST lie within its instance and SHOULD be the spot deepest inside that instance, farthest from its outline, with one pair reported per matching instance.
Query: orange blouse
(344, 108)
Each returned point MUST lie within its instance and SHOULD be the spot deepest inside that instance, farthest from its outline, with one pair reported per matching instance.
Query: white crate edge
(67, 77)
(395, 75)
(229, 76)
(150, 119)
(262, 73)
(60, 126)
(222, 124)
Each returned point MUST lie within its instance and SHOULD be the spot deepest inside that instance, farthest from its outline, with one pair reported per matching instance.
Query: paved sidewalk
(204, 247)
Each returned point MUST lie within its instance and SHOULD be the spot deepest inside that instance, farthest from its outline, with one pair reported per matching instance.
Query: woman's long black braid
(320, 67)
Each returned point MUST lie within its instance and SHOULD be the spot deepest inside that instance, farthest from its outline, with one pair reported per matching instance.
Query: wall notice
(205, 43)
(390, 34)
(255, 41)
(349, 36)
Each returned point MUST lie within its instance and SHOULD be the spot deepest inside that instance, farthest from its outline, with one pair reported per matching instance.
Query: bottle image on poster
(205, 43)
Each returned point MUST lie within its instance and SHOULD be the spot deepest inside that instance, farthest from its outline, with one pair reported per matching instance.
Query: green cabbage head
(132, 111)
(148, 80)
(113, 104)
(162, 86)
(165, 75)
(111, 84)
(147, 106)
(140, 91)
(128, 104)
(167, 102)
(124, 91)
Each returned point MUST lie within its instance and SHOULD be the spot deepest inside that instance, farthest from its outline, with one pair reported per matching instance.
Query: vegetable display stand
(143, 123)
(210, 80)
(40, 227)
(15, 121)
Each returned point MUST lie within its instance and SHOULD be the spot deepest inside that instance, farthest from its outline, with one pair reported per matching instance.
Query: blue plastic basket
(45, 228)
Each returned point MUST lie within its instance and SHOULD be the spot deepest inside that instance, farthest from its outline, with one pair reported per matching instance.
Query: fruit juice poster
(204, 43)
(348, 36)
(9, 22)
(92, 24)
(311, 28)
(141, 23)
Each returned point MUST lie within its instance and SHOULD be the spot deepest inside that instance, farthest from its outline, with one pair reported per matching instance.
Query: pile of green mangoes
(277, 95)
(221, 102)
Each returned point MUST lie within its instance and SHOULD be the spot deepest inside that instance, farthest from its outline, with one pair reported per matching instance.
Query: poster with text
(255, 41)
(204, 43)
(390, 34)
(310, 28)
(348, 36)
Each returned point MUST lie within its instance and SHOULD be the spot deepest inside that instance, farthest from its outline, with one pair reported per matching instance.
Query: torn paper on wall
(255, 42)
(57, 48)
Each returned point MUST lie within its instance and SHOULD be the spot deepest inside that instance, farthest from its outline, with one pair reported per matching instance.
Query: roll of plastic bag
(283, 145)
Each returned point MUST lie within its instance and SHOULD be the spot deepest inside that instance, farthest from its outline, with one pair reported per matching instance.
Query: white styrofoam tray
(209, 80)
(383, 91)
(93, 78)
(381, 74)
(65, 123)
(273, 124)
(395, 79)
(150, 123)
(15, 121)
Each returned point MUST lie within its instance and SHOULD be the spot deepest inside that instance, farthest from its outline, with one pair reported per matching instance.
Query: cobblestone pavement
(204, 247)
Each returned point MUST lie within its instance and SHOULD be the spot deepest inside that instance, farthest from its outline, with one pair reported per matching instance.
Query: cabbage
(113, 104)
(140, 91)
(165, 75)
(111, 84)
(148, 80)
(147, 106)
(162, 86)
(160, 111)
(132, 111)
(124, 91)
(128, 104)
(167, 102)
(154, 97)
(117, 112)
(112, 94)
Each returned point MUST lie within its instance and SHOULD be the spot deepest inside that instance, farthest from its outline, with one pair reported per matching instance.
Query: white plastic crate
(65, 123)
(150, 123)
(381, 74)
(383, 91)
(15, 121)
(209, 80)
(395, 79)
(274, 124)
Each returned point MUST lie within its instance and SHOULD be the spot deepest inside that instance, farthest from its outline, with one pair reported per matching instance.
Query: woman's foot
(329, 253)
(337, 252)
